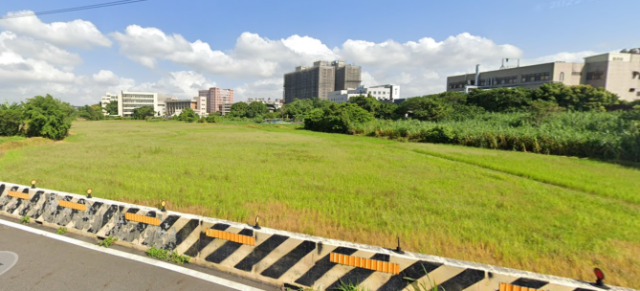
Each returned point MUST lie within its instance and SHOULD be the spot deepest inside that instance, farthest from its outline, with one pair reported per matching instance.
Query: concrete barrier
(293, 260)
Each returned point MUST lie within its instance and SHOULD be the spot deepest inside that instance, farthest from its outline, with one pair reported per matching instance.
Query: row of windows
(125, 101)
(136, 96)
(536, 77)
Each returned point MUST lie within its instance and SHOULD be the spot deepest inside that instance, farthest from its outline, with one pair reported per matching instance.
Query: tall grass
(497, 207)
(582, 134)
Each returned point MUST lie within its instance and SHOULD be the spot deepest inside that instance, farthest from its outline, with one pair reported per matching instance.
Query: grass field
(548, 214)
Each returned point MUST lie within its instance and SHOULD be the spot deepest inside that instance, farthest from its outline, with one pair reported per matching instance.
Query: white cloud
(569, 57)
(455, 51)
(16, 69)
(38, 50)
(368, 79)
(183, 84)
(76, 33)
(265, 88)
(253, 56)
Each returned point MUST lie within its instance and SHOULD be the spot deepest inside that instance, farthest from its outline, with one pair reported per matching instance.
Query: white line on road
(164, 265)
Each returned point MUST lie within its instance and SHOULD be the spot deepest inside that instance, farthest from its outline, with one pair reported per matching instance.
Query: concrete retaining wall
(272, 256)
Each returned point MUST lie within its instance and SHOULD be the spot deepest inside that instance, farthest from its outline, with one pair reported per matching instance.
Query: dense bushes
(38, 116)
(10, 121)
(336, 118)
(47, 117)
(583, 134)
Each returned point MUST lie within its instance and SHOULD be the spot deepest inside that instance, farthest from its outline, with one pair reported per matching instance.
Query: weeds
(164, 255)
(25, 219)
(158, 253)
(62, 230)
(421, 286)
(179, 259)
(107, 242)
(349, 287)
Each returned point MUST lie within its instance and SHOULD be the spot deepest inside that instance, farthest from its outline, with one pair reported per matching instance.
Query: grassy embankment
(548, 214)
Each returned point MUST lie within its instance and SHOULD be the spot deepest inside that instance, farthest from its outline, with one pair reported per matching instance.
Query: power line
(71, 9)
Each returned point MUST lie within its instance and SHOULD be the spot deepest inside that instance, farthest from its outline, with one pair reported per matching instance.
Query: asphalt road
(48, 264)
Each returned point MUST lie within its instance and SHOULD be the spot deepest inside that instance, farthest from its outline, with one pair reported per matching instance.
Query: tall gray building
(319, 80)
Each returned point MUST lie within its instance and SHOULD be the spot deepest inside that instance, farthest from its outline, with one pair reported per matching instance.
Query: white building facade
(381, 93)
(106, 99)
(128, 101)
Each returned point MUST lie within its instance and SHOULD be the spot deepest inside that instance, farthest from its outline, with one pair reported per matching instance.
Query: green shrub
(62, 230)
(10, 121)
(107, 242)
(47, 117)
(179, 259)
(25, 219)
(157, 253)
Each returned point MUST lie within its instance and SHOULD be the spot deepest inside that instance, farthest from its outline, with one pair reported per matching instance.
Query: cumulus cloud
(569, 57)
(38, 50)
(16, 68)
(455, 51)
(265, 88)
(183, 84)
(76, 33)
(253, 56)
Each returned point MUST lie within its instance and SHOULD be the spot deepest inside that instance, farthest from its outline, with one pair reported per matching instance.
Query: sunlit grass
(548, 214)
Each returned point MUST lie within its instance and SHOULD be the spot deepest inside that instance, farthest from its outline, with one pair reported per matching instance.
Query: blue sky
(175, 47)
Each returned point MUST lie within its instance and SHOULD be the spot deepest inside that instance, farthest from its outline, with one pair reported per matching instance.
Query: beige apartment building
(618, 73)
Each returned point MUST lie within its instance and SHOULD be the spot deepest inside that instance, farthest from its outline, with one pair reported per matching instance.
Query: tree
(188, 115)
(368, 103)
(47, 117)
(256, 109)
(426, 108)
(336, 118)
(112, 108)
(501, 99)
(238, 109)
(299, 108)
(92, 112)
(387, 110)
(576, 98)
(143, 112)
(10, 121)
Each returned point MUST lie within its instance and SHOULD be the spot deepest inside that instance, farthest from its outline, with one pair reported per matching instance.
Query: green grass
(547, 214)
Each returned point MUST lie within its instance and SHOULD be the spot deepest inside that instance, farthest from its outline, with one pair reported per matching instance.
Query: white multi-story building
(382, 93)
(128, 101)
(108, 98)
(394, 91)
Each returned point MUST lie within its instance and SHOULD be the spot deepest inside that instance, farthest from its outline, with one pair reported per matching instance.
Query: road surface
(48, 264)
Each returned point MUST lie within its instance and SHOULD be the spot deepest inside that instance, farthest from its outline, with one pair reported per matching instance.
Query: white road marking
(145, 260)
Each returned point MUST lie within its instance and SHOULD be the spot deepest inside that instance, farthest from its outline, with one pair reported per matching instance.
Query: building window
(632, 89)
(594, 76)
(562, 77)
